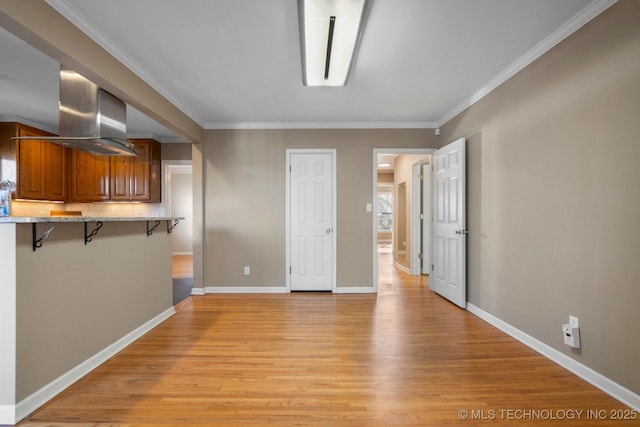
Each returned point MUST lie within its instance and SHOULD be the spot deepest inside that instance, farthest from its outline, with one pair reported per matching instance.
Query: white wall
(182, 205)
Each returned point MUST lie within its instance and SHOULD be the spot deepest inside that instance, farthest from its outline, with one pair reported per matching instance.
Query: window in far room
(385, 211)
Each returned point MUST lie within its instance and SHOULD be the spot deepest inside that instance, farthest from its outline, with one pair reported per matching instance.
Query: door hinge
(420, 255)
(421, 177)
(289, 168)
(289, 270)
(422, 216)
(432, 267)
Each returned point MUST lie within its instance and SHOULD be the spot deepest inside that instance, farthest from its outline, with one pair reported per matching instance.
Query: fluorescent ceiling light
(384, 165)
(329, 34)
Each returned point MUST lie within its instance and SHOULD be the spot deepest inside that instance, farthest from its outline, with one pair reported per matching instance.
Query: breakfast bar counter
(72, 218)
(73, 292)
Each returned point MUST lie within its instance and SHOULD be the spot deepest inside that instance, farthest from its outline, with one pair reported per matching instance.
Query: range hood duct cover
(91, 119)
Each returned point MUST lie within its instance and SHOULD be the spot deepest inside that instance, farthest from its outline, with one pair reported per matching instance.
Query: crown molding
(28, 122)
(79, 20)
(321, 125)
(587, 14)
(595, 8)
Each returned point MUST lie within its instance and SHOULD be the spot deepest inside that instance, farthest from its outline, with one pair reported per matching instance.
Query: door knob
(328, 230)
(462, 232)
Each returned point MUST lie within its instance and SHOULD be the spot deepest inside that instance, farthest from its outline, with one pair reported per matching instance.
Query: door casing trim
(334, 216)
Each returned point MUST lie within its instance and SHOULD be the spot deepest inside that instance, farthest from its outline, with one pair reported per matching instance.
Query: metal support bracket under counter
(153, 228)
(88, 237)
(152, 224)
(37, 243)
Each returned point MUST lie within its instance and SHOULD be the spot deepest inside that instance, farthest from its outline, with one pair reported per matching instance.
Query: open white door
(449, 276)
(420, 217)
(311, 214)
(425, 225)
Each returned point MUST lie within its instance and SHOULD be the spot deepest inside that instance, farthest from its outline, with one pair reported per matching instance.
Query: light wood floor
(182, 266)
(402, 357)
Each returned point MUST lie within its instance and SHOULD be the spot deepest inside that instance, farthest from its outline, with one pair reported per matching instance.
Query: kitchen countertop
(42, 219)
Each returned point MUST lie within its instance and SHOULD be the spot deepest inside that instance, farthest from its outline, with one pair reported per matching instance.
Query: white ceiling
(386, 159)
(236, 63)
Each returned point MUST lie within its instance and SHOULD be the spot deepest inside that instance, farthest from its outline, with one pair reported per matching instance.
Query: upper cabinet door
(140, 178)
(145, 171)
(31, 178)
(55, 172)
(89, 177)
(120, 178)
(41, 167)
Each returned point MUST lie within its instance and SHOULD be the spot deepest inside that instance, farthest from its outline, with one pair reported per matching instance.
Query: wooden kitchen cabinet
(137, 178)
(120, 177)
(40, 166)
(89, 177)
(46, 171)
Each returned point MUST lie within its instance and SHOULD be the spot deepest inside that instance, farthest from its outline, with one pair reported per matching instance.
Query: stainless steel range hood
(91, 119)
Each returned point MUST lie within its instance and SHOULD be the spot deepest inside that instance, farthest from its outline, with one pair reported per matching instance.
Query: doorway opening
(401, 220)
(178, 201)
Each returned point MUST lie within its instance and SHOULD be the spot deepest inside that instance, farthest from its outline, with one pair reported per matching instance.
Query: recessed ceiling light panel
(329, 34)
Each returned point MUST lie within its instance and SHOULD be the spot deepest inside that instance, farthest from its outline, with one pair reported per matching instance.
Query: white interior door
(420, 217)
(425, 224)
(311, 214)
(449, 278)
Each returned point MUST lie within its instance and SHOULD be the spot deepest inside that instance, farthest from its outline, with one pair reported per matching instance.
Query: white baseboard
(610, 387)
(46, 393)
(276, 290)
(401, 267)
(355, 290)
(245, 290)
(197, 291)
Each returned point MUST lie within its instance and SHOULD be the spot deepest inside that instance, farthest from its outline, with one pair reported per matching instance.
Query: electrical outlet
(571, 332)
(247, 270)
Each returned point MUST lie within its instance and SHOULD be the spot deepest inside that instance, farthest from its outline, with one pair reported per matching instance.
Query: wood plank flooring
(402, 357)
(182, 266)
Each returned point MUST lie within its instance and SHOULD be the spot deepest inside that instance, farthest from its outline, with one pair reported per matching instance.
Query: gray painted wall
(553, 200)
(73, 300)
(244, 200)
(176, 151)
